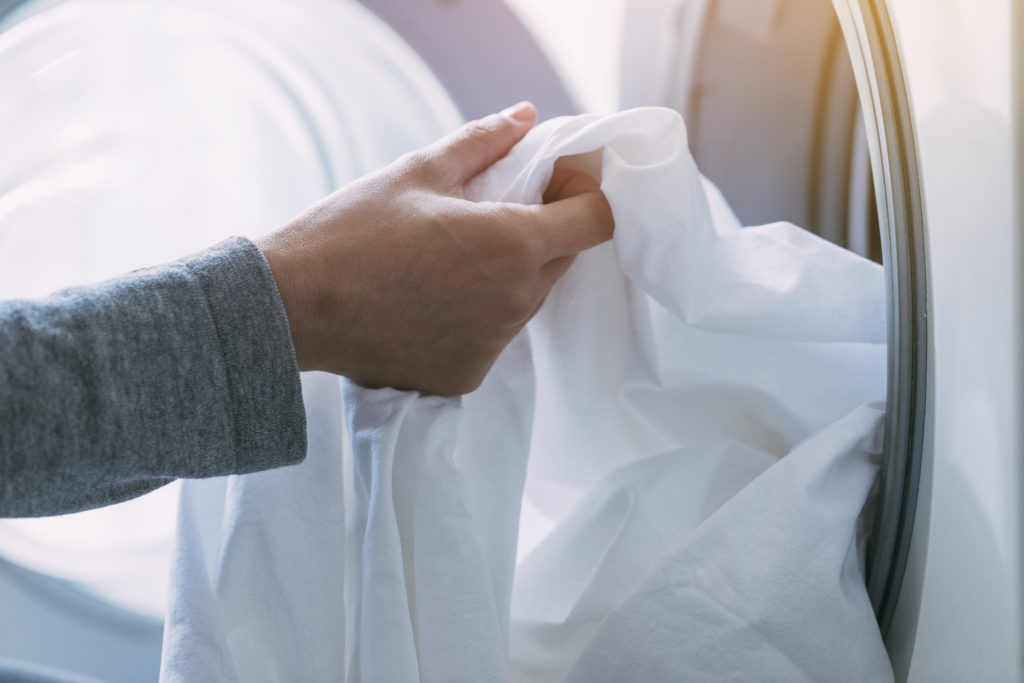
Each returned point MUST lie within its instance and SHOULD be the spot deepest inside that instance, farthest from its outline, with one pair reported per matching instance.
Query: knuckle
(509, 240)
(419, 164)
(524, 246)
(409, 159)
(470, 384)
(478, 127)
(406, 169)
(518, 305)
(465, 383)
(472, 132)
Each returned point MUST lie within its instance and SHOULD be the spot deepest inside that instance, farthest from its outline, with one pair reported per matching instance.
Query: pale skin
(397, 280)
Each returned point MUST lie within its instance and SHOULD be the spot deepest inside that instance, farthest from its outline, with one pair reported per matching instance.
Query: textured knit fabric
(112, 390)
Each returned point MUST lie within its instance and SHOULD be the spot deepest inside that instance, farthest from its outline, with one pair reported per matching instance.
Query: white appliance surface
(966, 555)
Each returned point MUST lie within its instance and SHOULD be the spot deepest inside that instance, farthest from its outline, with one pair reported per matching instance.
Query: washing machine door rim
(881, 81)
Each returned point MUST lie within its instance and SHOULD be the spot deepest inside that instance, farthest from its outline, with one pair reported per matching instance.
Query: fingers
(552, 270)
(566, 183)
(478, 144)
(579, 217)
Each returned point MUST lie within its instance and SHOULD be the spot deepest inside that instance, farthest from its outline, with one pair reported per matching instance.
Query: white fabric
(640, 426)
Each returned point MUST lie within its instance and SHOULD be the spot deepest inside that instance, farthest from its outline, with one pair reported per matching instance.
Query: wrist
(294, 288)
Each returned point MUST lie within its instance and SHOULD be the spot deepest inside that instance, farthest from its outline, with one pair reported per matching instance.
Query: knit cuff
(264, 390)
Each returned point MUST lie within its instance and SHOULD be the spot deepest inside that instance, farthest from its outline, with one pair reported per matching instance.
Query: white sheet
(640, 425)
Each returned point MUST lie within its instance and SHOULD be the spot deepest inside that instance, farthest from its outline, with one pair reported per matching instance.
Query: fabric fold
(662, 477)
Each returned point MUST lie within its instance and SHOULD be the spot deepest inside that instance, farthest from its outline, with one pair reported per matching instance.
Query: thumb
(478, 144)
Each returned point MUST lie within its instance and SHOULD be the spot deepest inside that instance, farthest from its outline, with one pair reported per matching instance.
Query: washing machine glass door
(141, 131)
(481, 52)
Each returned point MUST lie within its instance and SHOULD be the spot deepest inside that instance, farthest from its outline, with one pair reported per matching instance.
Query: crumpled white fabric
(687, 429)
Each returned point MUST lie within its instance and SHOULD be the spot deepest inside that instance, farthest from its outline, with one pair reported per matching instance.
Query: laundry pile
(680, 445)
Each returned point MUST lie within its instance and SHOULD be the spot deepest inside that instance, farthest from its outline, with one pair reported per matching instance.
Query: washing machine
(892, 127)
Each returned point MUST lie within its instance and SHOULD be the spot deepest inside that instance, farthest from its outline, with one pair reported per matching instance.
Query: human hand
(397, 280)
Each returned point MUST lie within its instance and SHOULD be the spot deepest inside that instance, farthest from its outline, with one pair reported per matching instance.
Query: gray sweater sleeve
(112, 390)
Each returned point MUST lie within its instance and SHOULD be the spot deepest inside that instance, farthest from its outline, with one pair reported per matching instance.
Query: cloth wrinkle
(661, 478)
(222, 367)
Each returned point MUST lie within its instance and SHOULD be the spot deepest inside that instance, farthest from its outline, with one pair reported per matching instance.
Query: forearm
(182, 370)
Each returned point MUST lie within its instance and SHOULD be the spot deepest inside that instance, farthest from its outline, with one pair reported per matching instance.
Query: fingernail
(521, 112)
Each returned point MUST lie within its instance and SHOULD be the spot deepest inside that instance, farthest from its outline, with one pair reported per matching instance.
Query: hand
(397, 280)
